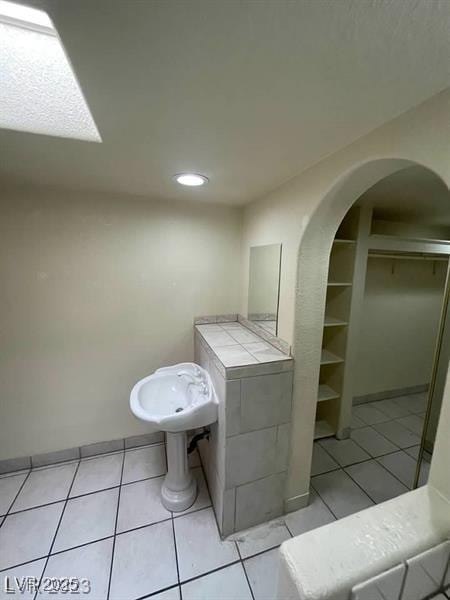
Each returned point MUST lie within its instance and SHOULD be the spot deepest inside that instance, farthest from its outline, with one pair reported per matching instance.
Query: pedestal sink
(176, 399)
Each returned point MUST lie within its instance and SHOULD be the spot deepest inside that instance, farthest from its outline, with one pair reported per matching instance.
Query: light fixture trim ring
(191, 179)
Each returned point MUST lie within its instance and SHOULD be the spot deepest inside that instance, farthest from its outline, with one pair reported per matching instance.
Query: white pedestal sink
(176, 399)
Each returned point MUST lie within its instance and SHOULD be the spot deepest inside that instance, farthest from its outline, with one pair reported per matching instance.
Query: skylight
(39, 92)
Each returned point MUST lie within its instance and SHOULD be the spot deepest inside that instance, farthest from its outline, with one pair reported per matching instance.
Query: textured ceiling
(248, 93)
(38, 90)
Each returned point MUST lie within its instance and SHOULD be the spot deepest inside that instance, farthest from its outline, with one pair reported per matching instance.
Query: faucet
(195, 378)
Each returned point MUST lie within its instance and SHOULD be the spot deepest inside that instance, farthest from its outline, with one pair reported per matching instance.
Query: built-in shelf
(333, 322)
(326, 393)
(323, 429)
(342, 241)
(336, 327)
(339, 283)
(328, 358)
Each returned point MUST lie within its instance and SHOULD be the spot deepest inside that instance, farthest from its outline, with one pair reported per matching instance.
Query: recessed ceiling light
(191, 179)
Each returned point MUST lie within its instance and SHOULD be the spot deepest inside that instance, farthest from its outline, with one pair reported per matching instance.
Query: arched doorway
(311, 287)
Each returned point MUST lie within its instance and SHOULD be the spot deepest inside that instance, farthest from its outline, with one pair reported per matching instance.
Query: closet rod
(408, 256)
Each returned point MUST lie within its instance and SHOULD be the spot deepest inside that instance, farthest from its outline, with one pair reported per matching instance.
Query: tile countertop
(236, 346)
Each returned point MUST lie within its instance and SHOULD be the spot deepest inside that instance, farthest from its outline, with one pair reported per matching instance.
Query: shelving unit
(339, 283)
(335, 326)
(322, 429)
(329, 358)
(358, 238)
(333, 322)
(326, 393)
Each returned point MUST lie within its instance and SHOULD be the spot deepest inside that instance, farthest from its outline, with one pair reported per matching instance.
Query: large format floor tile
(9, 486)
(340, 493)
(229, 583)
(140, 504)
(314, 515)
(373, 442)
(391, 408)
(144, 562)
(398, 434)
(44, 486)
(144, 463)
(376, 481)
(356, 422)
(322, 462)
(413, 452)
(401, 465)
(87, 518)
(199, 546)
(91, 564)
(11, 581)
(412, 422)
(97, 474)
(414, 403)
(262, 572)
(261, 538)
(28, 535)
(345, 452)
(369, 414)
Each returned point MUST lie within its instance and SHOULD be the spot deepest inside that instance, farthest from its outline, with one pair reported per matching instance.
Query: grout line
(15, 473)
(363, 490)
(287, 526)
(323, 500)
(357, 484)
(18, 512)
(28, 562)
(248, 580)
(385, 437)
(8, 512)
(57, 528)
(234, 562)
(115, 528)
(176, 556)
(55, 465)
(173, 528)
(243, 559)
(358, 463)
(113, 487)
(162, 590)
(99, 539)
(392, 473)
(108, 537)
(74, 460)
(103, 538)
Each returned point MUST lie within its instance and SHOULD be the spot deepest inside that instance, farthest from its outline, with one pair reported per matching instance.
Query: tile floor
(101, 518)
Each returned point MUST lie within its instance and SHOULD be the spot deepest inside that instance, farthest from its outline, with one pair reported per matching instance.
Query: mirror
(436, 392)
(264, 286)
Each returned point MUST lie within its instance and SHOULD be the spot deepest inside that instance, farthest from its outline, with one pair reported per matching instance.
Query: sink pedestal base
(179, 489)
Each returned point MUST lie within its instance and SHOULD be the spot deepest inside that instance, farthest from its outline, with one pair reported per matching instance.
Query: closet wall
(401, 308)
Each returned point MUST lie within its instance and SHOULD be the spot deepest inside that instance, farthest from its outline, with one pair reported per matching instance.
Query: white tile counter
(246, 456)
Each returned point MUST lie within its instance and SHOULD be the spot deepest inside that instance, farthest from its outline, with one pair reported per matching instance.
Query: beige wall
(98, 291)
(400, 317)
(303, 215)
(282, 216)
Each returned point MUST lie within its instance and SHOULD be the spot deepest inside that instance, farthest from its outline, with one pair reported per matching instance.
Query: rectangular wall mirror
(264, 286)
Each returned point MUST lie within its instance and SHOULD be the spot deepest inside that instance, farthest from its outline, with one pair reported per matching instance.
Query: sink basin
(176, 398)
